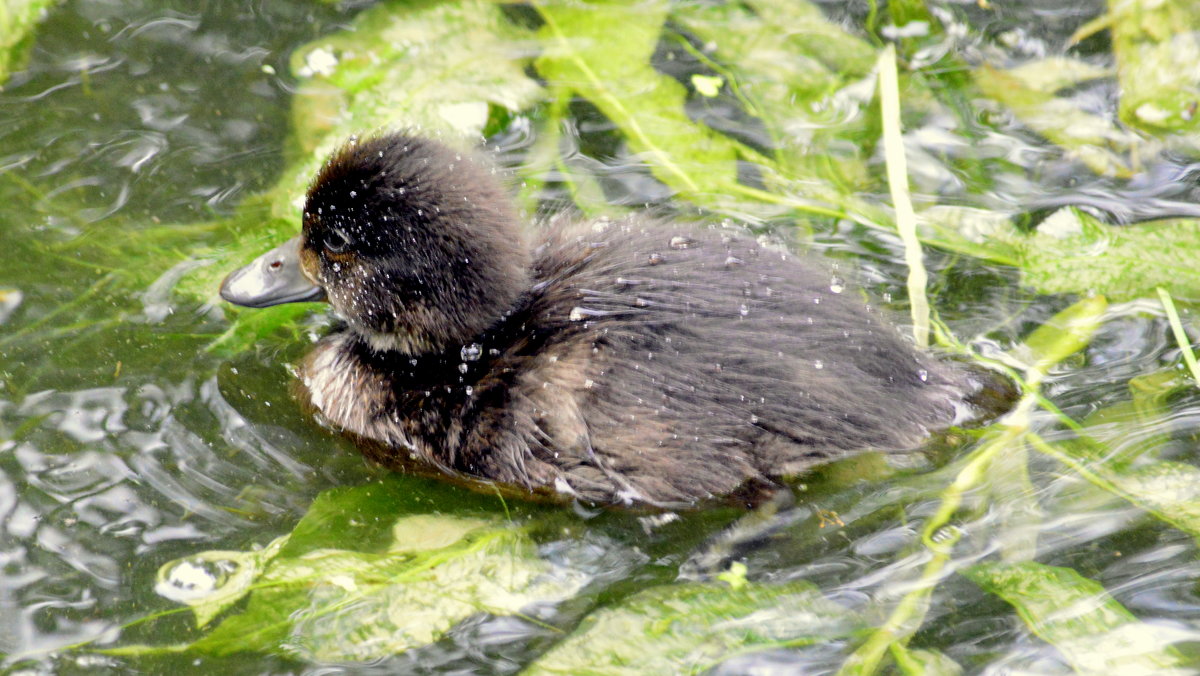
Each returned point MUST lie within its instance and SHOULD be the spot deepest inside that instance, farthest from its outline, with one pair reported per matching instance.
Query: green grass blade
(1185, 346)
(1170, 491)
(897, 173)
(1095, 633)
(690, 628)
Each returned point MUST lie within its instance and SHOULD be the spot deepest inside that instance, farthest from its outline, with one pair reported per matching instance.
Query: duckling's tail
(991, 395)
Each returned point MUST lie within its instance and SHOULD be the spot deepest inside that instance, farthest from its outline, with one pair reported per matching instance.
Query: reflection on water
(96, 479)
(124, 445)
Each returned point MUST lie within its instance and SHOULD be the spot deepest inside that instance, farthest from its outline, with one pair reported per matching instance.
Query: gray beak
(273, 278)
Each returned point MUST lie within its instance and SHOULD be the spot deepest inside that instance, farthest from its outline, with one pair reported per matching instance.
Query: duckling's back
(677, 364)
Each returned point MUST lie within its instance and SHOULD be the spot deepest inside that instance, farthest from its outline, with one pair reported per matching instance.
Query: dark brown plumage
(633, 361)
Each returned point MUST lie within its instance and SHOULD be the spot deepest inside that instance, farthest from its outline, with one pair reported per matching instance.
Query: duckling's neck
(451, 369)
(420, 345)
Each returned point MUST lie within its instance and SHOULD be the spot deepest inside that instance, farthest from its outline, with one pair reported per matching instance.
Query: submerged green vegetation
(892, 138)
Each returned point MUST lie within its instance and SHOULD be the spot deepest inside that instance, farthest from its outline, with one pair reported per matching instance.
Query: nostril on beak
(273, 278)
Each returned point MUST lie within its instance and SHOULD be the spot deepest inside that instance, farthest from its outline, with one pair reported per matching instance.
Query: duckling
(635, 362)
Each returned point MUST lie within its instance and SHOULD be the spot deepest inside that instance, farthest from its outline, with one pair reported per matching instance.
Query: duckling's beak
(273, 278)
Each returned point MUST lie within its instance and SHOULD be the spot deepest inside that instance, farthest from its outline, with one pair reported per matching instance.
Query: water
(124, 444)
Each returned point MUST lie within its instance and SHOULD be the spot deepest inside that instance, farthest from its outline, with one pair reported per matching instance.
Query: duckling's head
(415, 245)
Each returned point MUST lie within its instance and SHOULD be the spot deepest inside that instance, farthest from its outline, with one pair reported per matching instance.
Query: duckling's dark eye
(336, 240)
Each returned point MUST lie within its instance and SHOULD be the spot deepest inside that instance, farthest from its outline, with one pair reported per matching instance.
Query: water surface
(126, 444)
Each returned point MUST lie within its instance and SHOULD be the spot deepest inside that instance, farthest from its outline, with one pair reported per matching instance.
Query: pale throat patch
(341, 389)
(394, 342)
